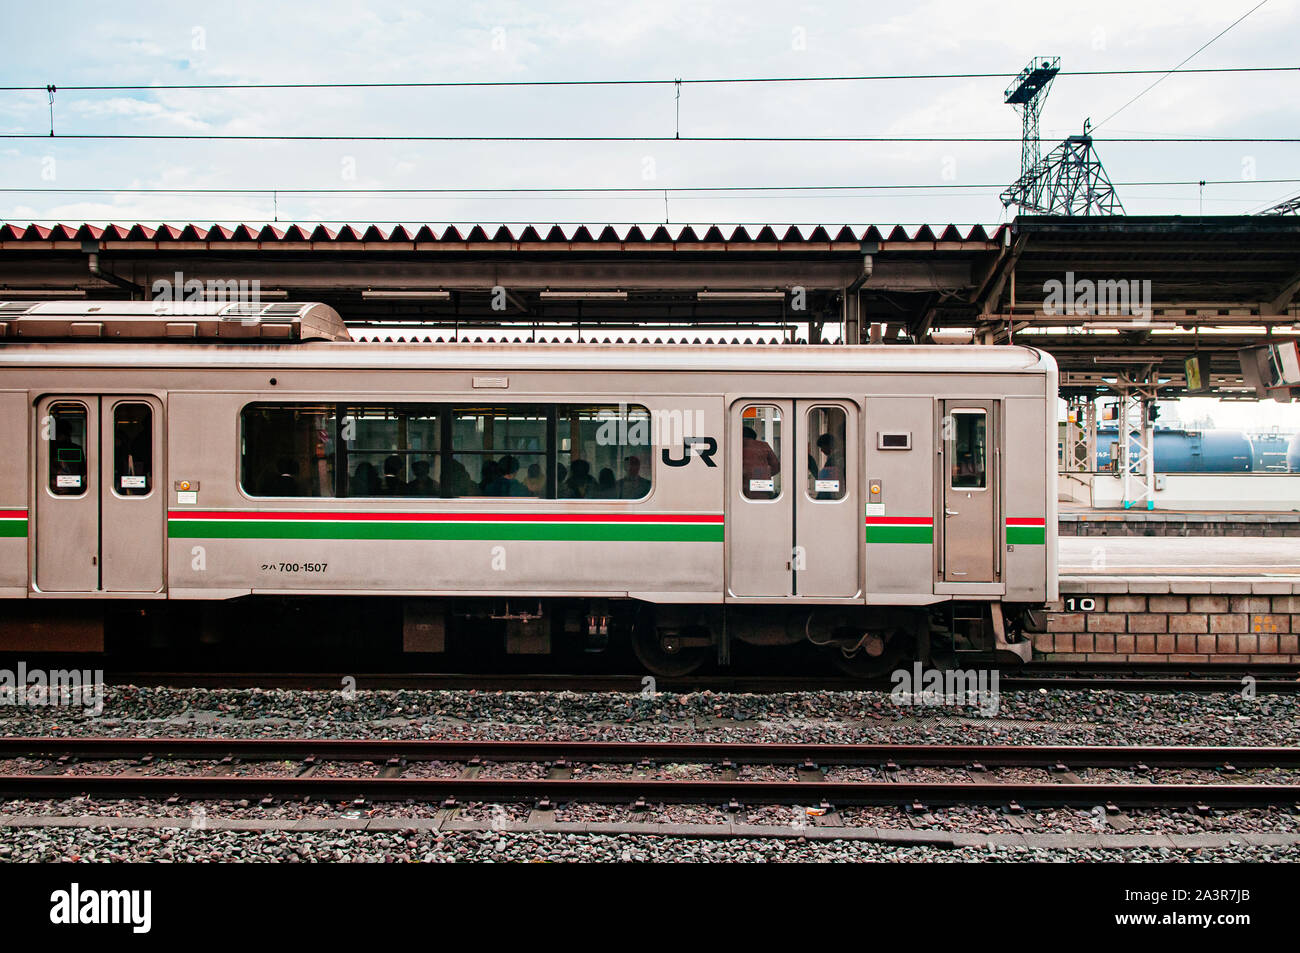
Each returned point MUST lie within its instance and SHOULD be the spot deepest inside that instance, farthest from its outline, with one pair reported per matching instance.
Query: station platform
(1175, 600)
(1180, 556)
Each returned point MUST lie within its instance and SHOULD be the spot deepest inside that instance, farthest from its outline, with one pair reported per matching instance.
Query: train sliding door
(828, 512)
(100, 518)
(970, 477)
(793, 506)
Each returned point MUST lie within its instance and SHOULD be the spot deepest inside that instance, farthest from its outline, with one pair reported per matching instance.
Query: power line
(684, 81)
(220, 137)
(1176, 68)
(580, 191)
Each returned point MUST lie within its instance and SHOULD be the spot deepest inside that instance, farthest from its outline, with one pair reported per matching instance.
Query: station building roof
(1216, 283)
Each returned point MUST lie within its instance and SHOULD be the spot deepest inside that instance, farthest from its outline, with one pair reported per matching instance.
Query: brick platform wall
(1137, 523)
(1138, 626)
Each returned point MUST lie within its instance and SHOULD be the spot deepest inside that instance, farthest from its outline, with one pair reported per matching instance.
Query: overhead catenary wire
(1178, 68)
(580, 191)
(683, 81)
(271, 137)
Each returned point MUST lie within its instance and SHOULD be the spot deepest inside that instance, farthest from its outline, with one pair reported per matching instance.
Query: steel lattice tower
(1027, 95)
(1070, 180)
(1289, 207)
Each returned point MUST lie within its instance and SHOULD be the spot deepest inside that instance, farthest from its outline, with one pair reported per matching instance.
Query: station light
(740, 295)
(583, 295)
(381, 294)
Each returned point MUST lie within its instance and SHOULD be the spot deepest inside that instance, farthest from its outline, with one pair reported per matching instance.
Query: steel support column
(1080, 452)
(1137, 443)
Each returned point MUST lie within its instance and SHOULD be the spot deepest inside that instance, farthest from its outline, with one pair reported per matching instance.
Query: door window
(132, 449)
(760, 432)
(67, 449)
(827, 434)
(969, 466)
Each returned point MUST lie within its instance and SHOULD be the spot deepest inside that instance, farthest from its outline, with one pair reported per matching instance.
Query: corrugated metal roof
(660, 337)
(515, 233)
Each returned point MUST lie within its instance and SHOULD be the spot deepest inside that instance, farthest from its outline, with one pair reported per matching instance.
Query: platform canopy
(1115, 297)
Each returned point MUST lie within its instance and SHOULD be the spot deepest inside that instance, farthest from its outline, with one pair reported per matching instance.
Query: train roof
(212, 334)
(866, 358)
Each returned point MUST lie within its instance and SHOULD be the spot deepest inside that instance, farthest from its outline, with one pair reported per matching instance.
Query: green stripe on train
(1027, 535)
(900, 533)
(366, 529)
(13, 527)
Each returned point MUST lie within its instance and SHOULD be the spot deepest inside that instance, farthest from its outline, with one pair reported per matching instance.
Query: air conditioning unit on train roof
(245, 322)
(952, 336)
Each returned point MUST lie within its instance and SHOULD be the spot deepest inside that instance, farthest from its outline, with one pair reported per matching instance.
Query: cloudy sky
(153, 44)
(163, 43)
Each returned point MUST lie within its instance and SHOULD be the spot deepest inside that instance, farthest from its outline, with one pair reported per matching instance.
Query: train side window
(498, 451)
(827, 439)
(132, 449)
(390, 450)
(67, 443)
(969, 464)
(760, 432)
(539, 451)
(603, 452)
(288, 450)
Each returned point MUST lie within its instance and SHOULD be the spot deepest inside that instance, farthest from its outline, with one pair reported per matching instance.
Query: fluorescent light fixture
(583, 295)
(386, 295)
(740, 295)
(20, 294)
(1127, 325)
(1128, 360)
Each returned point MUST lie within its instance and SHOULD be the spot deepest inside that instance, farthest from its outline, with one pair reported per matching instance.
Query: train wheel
(875, 655)
(665, 654)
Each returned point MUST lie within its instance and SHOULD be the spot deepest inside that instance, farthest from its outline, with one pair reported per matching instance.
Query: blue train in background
(1271, 449)
(1189, 451)
(1210, 451)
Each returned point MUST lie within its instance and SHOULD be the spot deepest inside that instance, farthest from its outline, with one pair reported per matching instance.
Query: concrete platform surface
(1179, 556)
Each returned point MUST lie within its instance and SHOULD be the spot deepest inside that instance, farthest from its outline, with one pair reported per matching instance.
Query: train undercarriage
(664, 640)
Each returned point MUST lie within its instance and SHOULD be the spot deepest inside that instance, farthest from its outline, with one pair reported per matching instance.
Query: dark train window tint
(969, 454)
(132, 449)
(499, 451)
(542, 451)
(288, 450)
(603, 452)
(760, 433)
(827, 439)
(391, 450)
(67, 442)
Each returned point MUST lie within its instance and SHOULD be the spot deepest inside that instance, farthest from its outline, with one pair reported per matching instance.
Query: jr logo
(702, 447)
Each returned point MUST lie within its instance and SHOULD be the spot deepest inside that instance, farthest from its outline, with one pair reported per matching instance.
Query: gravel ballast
(1030, 717)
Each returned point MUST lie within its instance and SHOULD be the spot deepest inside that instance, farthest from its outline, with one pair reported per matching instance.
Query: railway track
(366, 770)
(1217, 679)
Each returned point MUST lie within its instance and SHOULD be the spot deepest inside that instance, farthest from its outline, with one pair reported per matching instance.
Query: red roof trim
(704, 233)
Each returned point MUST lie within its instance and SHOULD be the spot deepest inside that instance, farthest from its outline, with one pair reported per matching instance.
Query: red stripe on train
(450, 517)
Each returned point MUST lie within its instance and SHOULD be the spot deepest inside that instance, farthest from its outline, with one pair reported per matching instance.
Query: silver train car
(883, 502)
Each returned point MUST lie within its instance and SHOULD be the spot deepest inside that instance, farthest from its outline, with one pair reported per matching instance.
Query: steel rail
(914, 793)
(632, 752)
(1266, 682)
